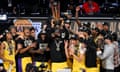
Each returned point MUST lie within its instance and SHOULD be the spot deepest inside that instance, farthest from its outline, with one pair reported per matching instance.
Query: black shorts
(107, 70)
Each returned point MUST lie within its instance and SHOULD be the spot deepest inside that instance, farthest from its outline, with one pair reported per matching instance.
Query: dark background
(42, 6)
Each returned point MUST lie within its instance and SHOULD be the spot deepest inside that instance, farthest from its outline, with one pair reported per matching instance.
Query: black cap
(97, 30)
(81, 29)
(102, 32)
(87, 24)
(106, 24)
(87, 30)
(43, 33)
(73, 36)
(108, 36)
(6, 31)
(67, 21)
(82, 40)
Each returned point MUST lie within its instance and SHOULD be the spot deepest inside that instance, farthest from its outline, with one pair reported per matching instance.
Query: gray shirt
(108, 57)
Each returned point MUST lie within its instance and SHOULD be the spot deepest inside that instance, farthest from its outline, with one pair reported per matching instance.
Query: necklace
(10, 48)
(58, 45)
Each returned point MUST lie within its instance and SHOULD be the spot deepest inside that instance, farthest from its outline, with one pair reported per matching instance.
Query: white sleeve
(82, 50)
(99, 53)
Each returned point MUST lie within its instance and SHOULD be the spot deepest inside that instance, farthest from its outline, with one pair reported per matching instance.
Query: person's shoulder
(111, 47)
(115, 42)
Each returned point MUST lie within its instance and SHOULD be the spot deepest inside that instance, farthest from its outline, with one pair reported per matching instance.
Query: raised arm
(2, 54)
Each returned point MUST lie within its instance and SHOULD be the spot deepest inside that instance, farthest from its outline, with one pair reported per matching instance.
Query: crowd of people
(59, 47)
(62, 45)
(42, 7)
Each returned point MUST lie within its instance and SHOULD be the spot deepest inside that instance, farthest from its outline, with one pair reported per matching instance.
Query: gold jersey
(78, 66)
(9, 54)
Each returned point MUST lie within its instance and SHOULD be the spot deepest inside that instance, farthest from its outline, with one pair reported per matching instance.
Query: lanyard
(10, 48)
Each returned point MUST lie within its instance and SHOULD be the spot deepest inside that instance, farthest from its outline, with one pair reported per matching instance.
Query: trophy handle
(56, 11)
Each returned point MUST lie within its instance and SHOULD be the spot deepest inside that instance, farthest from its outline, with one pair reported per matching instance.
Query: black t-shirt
(65, 34)
(57, 55)
(25, 43)
(90, 56)
(42, 44)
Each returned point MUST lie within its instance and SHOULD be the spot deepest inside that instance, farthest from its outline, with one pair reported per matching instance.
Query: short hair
(114, 36)
(24, 28)
(32, 28)
(11, 27)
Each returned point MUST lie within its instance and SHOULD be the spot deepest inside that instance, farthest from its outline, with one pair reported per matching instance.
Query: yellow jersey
(78, 66)
(9, 53)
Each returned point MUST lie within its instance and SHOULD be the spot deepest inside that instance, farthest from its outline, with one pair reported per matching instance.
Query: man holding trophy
(57, 52)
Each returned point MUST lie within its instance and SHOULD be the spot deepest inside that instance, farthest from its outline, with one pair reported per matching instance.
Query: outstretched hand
(77, 8)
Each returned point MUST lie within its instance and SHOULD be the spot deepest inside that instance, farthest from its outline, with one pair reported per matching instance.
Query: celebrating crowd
(61, 46)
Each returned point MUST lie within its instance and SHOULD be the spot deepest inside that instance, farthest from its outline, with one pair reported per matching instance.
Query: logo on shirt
(27, 43)
(43, 46)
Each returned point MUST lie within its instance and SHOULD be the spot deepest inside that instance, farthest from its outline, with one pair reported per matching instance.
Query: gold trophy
(55, 6)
